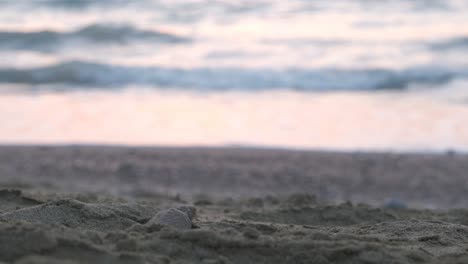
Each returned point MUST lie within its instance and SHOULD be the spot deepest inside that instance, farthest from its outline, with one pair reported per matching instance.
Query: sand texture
(55, 207)
(263, 230)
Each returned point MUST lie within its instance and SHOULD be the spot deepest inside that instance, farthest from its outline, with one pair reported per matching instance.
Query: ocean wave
(187, 6)
(48, 41)
(78, 4)
(258, 5)
(79, 74)
(455, 43)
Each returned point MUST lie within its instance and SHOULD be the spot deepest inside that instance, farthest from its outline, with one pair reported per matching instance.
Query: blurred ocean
(346, 75)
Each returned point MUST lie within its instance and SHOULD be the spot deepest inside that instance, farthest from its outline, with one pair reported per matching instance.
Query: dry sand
(123, 205)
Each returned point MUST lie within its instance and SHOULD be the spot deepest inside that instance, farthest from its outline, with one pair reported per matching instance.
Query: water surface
(305, 74)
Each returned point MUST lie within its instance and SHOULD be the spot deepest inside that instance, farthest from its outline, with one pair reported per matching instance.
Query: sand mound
(283, 211)
(293, 229)
(14, 199)
(342, 215)
(27, 243)
(76, 214)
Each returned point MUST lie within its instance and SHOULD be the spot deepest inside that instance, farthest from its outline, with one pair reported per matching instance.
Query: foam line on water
(80, 74)
(95, 34)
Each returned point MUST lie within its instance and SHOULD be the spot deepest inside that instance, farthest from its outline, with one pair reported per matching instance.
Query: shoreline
(234, 146)
(413, 120)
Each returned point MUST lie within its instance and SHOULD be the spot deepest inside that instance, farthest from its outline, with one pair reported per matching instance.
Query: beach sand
(95, 204)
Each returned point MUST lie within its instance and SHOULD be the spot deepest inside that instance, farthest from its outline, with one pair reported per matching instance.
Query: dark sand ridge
(419, 180)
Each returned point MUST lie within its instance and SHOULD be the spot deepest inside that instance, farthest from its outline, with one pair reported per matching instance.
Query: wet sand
(417, 119)
(99, 204)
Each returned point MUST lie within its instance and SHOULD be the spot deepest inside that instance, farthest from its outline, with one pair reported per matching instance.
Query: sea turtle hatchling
(180, 217)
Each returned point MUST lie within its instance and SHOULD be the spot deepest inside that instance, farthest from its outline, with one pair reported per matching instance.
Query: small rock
(179, 218)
